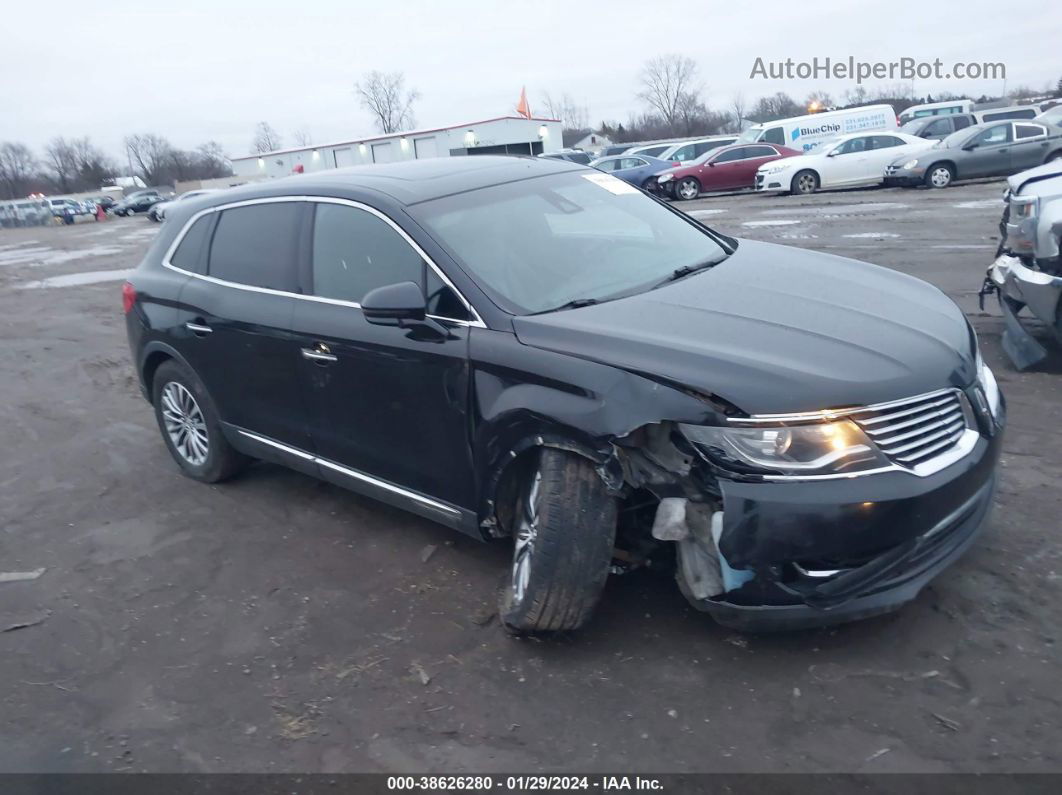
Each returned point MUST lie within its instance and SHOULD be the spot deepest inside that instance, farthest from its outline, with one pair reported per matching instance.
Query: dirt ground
(276, 623)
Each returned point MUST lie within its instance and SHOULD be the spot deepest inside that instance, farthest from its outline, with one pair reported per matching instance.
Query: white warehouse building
(502, 135)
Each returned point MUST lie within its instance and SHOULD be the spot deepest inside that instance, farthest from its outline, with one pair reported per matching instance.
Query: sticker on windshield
(610, 183)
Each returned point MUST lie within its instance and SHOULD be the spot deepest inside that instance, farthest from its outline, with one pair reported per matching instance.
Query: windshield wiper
(686, 270)
(575, 303)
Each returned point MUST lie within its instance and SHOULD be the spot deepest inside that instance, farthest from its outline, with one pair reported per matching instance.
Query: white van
(936, 109)
(807, 132)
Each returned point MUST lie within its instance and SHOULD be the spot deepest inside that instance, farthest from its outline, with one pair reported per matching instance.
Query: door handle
(318, 356)
(198, 329)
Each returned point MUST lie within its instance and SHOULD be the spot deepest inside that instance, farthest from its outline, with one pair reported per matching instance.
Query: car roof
(407, 182)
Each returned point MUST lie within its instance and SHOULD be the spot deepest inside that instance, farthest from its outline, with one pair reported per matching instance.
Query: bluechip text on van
(849, 68)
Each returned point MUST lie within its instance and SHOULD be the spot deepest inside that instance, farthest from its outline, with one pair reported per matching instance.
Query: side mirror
(711, 164)
(834, 153)
(393, 303)
(969, 147)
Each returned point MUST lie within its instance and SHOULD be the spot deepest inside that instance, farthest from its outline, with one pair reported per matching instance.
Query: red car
(727, 168)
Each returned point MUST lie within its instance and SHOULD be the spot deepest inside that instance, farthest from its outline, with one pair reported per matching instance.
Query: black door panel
(247, 359)
(393, 402)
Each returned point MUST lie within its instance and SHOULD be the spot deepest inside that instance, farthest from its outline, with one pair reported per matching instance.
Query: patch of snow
(871, 234)
(77, 279)
(778, 222)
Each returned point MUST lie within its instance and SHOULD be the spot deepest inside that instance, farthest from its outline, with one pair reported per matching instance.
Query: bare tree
(151, 155)
(17, 167)
(266, 139)
(385, 96)
(669, 87)
(573, 115)
(855, 96)
(738, 110)
(94, 168)
(61, 161)
(776, 106)
(302, 137)
(213, 162)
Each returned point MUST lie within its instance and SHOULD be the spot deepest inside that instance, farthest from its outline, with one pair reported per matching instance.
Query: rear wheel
(939, 175)
(564, 528)
(804, 182)
(688, 188)
(190, 426)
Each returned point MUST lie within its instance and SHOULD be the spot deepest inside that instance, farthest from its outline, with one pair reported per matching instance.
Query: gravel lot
(276, 623)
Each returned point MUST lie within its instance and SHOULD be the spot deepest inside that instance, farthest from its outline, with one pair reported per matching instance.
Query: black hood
(776, 329)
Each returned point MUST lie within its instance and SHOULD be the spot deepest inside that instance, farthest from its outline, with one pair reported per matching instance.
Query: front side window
(852, 145)
(255, 245)
(537, 244)
(938, 127)
(683, 153)
(608, 165)
(999, 134)
(355, 251)
(775, 135)
(737, 153)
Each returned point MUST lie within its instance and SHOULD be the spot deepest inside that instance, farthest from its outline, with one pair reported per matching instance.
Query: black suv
(523, 348)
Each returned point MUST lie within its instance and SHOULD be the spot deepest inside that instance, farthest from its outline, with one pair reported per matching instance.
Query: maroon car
(727, 168)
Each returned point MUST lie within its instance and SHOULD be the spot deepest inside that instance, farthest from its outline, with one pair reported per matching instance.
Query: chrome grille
(914, 430)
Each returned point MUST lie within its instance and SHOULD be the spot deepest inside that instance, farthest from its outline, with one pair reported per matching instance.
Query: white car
(845, 162)
(158, 211)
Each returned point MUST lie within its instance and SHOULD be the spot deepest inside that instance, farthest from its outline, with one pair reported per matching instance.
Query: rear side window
(191, 251)
(759, 151)
(355, 252)
(1030, 130)
(255, 245)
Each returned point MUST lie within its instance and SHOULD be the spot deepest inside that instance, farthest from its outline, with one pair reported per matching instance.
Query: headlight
(665, 178)
(987, 379)
(910, 164)
(1023, 207)
(833, 447)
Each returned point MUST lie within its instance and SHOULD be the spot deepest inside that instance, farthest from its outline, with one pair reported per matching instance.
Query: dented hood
(775, 329)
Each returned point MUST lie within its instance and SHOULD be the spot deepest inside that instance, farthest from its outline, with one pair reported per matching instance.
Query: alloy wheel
(526, 535)
(806, 183)
(688, 189)
(185, 423)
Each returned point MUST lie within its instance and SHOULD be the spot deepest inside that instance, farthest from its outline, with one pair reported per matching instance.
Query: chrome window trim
(353, 473)
(476, 321)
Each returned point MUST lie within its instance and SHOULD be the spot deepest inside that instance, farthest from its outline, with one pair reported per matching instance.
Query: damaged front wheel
(564, 528)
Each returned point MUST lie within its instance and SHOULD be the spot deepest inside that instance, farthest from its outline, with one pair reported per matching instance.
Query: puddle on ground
(42, 255)
(77, 279)
(976, 205)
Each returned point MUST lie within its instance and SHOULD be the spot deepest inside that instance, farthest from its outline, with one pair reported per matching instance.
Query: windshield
(751, 135)
(955, 139)
(541, 243)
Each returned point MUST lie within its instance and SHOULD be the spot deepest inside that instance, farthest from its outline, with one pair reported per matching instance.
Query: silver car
(1027, 273)
(994, 149)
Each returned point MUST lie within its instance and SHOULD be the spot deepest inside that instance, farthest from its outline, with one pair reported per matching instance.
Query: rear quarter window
(190, 254)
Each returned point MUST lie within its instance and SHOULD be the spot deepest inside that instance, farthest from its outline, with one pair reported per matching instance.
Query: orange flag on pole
(522, 107)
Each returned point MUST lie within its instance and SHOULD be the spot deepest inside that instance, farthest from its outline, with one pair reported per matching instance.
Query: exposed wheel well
(151, 365)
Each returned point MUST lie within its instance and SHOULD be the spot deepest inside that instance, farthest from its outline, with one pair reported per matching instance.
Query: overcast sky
(196, 71)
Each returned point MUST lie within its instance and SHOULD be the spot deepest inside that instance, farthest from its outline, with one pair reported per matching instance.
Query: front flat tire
(564, 528)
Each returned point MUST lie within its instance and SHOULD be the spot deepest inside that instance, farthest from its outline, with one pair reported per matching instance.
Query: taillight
(128, 297)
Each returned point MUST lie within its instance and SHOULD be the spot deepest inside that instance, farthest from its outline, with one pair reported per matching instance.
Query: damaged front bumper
(1018, 286)
(806, 554)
